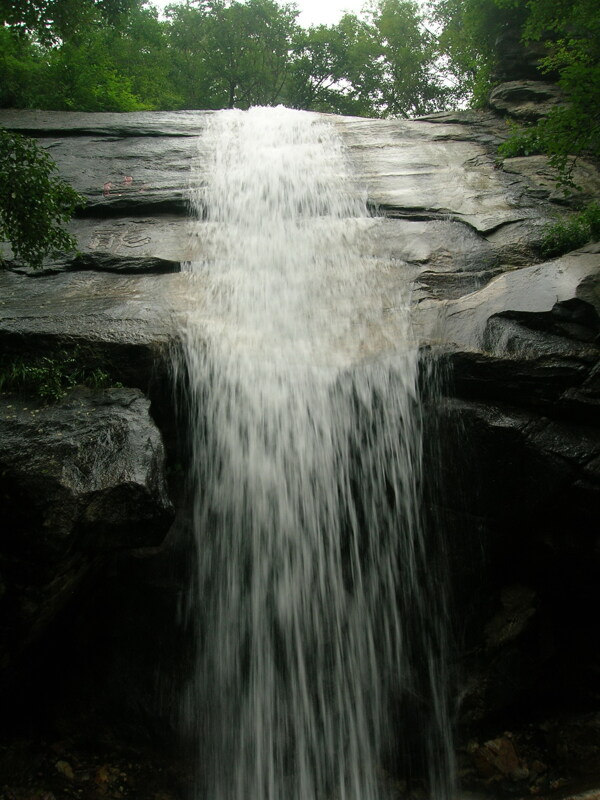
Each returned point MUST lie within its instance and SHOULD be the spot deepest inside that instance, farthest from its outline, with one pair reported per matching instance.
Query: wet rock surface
(129, 246)
(437, 170)
(516, 338)
(81, 478)
(525, 100)
(122, 321)
(542, 178)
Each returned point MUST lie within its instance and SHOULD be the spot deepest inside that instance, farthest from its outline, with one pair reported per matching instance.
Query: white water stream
(312, 584)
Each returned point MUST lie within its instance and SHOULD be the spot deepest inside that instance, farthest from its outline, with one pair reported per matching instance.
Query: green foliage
(118, 55)
(53, 21)
(34, 202)
(51, 376)
(83, 78)
(572, 30)
(382, 65)
(187, 56)
(572, 232)
(566, 133)
(319, 59)
(90, 55)
(231, 54)
(473, 33)
(21, 68)
(522, 142)
(469, 34)
(141, 51)
(108, 68)
(360, 81)
(410, 83)
(336, 68)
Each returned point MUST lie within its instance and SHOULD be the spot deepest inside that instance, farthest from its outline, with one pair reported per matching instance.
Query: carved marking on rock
(109, 239)
(102, 240)
(133, 238)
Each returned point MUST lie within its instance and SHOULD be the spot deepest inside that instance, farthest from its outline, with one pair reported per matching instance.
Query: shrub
(51, 376)
(522, 142)
(34, 202)
(572, 232)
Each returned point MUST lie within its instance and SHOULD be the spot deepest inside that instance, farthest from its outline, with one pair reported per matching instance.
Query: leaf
(32, 212)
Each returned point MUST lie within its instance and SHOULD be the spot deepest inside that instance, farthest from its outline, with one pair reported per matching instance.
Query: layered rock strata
(517, 338)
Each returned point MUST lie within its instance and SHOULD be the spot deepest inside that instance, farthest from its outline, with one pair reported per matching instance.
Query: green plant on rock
(572, 232)
(522, 142)
(51, 376)
(34, 202)
(566, 36)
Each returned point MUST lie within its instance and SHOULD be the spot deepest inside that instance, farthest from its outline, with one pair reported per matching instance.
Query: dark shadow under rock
(80, 479)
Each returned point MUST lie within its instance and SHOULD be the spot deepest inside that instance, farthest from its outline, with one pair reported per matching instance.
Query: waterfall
(312, 608)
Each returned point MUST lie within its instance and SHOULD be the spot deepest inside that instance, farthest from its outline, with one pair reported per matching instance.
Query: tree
(121, 66)
(231, 54)
(364, 66)
(140, 50)
(22, 66)
(111, 68)
(85, 77)
(117, 55)
(471, 32)
(34, 202)
(569, 30)
(334, 68)
(381, 65)
(187, 56)
(411, 84)
(59, 20)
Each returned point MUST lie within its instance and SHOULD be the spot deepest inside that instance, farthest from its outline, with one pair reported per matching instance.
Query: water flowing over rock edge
(525, 383)
(313, 569)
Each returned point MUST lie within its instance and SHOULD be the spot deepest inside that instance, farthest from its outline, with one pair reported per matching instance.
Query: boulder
(534, 290)
(521, 473)
(530, 337)
(81, 479)
(520, 495)
(515, 59)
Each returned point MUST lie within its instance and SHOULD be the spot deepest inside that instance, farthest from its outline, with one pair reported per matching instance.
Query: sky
(312, 12)
(326, 12)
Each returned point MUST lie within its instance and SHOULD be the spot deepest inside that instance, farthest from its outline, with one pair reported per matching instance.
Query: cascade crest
(312, 603)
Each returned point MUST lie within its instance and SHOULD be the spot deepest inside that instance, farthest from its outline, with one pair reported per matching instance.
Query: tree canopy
(120, 55)
(567, 36)
(390, 60)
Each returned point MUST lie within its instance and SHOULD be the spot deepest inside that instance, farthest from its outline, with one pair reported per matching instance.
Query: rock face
(121, 320)
(517, 340)
(81, 479)
(525, 100)
(542, 179)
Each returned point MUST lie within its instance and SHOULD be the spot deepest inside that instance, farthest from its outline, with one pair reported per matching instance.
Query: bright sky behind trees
(312, 12)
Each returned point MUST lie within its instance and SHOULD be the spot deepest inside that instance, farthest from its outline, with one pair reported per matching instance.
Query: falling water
(311, 612)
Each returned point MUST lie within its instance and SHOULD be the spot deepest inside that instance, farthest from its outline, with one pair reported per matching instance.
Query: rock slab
(81, 479)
